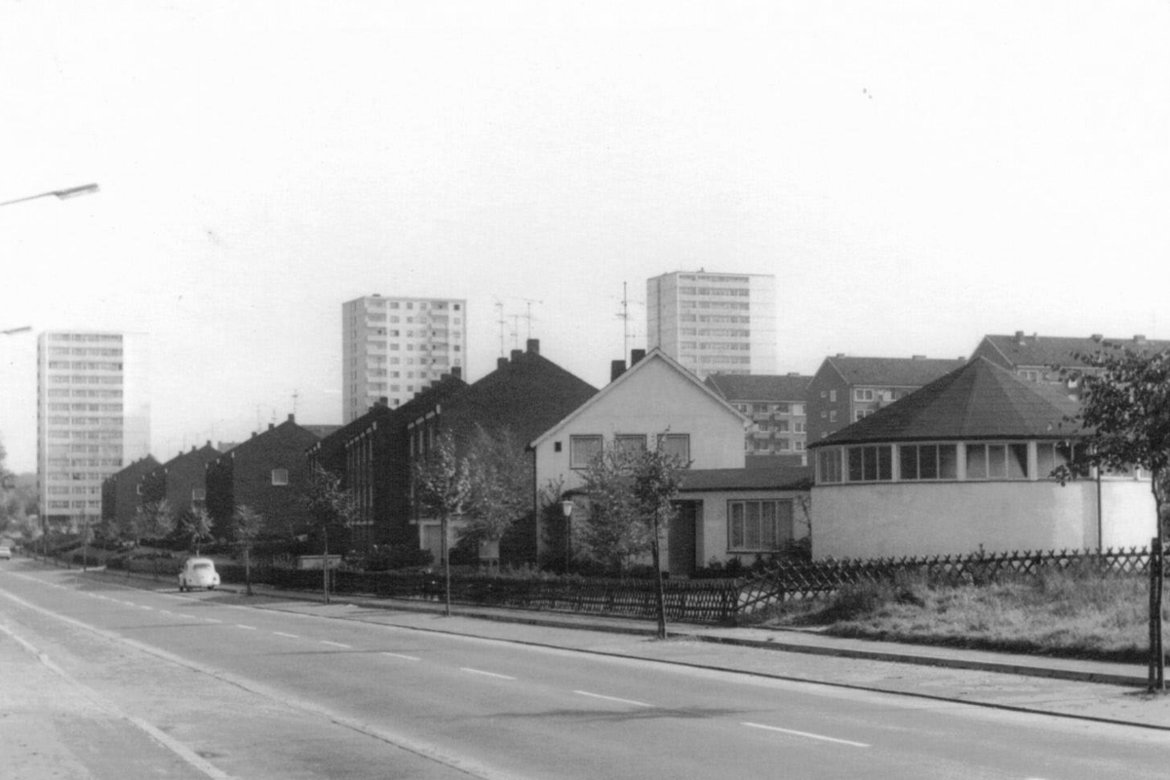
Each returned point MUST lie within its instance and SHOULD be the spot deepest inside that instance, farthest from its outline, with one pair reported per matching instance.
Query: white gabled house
(964, 464)
(656, 403)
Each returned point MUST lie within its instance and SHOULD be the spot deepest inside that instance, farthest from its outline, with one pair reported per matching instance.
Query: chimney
(616, 369)
(516, 355)
(1139, 339)
(533, 346)
(840, 354)
(457, 372)
(291, 417)
(383, 400)
(1020, 337)
(271, 426)
(918, 357)
(636, 355)
(1097, 337)
(501, 362)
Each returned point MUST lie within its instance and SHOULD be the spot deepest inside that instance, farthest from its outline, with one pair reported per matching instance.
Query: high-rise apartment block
(93, 418)
(714, 323)
(394, 347)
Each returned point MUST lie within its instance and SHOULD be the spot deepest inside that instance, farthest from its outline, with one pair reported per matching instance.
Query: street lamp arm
(11, 331)
(69, 192)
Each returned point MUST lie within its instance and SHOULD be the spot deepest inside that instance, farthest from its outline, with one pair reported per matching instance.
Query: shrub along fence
(807, 580)
(689, 601)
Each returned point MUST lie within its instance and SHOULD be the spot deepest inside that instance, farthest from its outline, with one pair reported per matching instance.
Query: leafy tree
(657, 478)
(330, 506)
(442, 486)
(613, 533)
(1125, 417)
(499, 482)
(153, 520)
(247, 524)
(195, 525)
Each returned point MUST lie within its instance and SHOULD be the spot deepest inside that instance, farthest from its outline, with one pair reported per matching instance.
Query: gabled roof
(708, 480)
(978, 401)
(654, 355)
(1035, 350)
(890, 372)
(759, 387)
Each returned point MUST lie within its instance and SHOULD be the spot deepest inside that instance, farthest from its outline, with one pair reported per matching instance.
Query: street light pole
(69, 192)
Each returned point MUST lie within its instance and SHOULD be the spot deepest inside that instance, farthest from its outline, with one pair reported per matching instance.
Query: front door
(681, 538)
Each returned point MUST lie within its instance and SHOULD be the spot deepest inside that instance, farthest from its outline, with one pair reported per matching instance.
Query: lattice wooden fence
(806, 580)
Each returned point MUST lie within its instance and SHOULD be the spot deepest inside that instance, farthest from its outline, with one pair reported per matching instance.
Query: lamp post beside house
(567, 510)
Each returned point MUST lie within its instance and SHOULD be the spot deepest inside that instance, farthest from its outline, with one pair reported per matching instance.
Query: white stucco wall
(651, 399)
(711, 543)
(895, 519)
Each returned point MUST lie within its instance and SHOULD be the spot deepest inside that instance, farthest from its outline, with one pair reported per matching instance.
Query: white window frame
(773, 520)
(280, 477)
(684, 438)
(578, 458)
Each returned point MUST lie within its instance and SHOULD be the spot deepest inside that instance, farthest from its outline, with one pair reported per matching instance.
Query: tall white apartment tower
(394, 347)
(714, 323)
(93, 418)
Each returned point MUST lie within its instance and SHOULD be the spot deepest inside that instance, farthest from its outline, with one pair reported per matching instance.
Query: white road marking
(246, 628)
(209, 620)
(336, 644)
(403, 657)
(485, 674)
(185, 617)
(290, 636)
(614, 699)
(821, 737)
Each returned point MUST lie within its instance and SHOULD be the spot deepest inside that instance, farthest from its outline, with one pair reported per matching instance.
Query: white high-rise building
(394, 347)
(93, 418)
(714, 323)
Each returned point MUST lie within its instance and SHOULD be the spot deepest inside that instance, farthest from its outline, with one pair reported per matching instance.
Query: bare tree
(247, 524)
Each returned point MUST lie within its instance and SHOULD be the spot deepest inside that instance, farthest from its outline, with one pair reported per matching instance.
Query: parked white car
(198, 573)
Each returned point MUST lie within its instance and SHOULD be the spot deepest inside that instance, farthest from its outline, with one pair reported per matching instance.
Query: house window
(198, 494)
(677, 445)
(829, 466)
(997, 461)
(582, 450)
(632, 443)
(861, 414)
(833, 396)
(758, 526)
(928, 461)
(862, 394)
(833, 415)
(280, 477)
(1051, 456)
(870, 463)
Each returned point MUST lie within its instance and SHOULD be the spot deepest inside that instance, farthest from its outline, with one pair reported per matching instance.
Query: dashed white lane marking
(185, 617)
(290, 636)
(806, 734)
(209, 620)
(403, 657)
(485, 674)
(336, 644)
(246, 628)
(614, 699)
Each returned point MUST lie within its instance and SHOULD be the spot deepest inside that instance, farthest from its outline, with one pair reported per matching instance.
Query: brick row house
(374, 453)
(122, 491)
(182, 480)
(266, 473)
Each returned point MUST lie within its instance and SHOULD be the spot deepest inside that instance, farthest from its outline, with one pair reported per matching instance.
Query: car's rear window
(203, 565)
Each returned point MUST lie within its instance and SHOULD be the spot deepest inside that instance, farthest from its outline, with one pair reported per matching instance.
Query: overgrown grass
(1075, 613)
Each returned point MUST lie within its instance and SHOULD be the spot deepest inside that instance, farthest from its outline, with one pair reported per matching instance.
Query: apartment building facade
(714, 322)
(394, 347)
(777, 407)
(93, 419)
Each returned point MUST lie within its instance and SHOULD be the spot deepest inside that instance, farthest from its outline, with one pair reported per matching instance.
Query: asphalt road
(162, 684)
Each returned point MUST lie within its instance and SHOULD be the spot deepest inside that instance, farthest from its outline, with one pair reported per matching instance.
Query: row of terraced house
(868, 457)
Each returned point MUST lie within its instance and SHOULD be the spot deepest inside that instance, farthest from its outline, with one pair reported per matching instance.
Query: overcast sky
(915, 174)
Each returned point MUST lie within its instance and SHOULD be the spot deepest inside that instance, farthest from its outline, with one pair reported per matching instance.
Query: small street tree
(1125, 417)
(500, 480)
(330, 506)
(442, 486)
(153, 520)
(247, 524)
(195, 525)
(657, 479)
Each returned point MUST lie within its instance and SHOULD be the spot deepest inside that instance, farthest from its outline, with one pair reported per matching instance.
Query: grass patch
(1058, 613)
